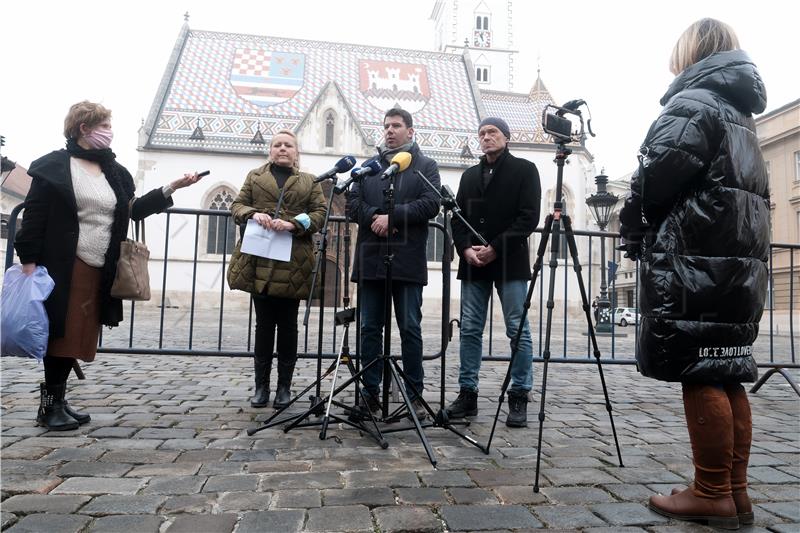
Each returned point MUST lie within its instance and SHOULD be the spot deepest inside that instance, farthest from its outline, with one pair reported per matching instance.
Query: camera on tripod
(562, 129)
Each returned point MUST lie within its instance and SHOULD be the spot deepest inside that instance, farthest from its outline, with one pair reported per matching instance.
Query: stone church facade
(223, 96)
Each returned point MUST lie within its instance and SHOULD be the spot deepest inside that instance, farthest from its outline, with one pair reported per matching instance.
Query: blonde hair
(291, 134)
(705, 37)
(85, 112)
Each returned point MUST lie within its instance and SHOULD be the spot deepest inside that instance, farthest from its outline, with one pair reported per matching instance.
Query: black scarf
(121, 183)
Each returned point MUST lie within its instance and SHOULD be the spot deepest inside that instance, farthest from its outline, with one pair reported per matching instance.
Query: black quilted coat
(700, 200)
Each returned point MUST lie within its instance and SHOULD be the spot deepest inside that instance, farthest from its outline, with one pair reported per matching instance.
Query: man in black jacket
(414, 205)
(500, 198)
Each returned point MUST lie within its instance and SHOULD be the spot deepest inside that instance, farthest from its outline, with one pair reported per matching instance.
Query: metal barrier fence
(213, 320)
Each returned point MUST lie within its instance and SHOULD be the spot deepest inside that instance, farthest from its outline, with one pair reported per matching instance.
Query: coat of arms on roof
(389, 84)
(266, 77)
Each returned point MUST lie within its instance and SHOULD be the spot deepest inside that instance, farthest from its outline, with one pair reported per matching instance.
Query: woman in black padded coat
(698, 217)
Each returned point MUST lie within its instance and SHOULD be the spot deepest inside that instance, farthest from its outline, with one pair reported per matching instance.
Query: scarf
(388, 153)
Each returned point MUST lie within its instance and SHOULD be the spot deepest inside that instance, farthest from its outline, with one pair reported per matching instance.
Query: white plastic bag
(23, 320)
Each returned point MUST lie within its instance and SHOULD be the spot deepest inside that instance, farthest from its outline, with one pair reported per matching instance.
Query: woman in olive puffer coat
(698, 217)
(280, 197)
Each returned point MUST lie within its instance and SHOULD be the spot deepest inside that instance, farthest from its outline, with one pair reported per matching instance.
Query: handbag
(132, 281)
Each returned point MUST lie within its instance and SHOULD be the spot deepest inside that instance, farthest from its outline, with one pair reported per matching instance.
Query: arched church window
(330, 123)
(481, 22)
(221, 235)
(482, 74)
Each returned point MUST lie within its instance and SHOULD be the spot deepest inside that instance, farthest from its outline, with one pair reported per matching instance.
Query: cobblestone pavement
(167, 450)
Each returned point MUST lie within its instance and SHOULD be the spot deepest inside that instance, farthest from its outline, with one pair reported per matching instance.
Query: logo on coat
(388, 84)
(266, 77)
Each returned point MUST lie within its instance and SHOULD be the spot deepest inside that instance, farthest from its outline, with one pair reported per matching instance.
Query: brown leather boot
(744, 508)
(742, 437)
(710, 423)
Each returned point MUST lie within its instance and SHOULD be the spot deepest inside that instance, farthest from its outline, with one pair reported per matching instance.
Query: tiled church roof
(232, 85)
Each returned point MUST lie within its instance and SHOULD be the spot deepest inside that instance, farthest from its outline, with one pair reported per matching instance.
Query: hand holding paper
(265, 242)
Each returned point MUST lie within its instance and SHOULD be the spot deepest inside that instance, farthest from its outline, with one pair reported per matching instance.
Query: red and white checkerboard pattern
(251, 62)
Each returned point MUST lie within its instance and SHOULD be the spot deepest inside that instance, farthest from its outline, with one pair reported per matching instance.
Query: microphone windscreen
(373, 166)
(403, 160)
(345, 163)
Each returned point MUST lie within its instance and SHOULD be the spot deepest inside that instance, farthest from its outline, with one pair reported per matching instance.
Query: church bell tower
(484, 29)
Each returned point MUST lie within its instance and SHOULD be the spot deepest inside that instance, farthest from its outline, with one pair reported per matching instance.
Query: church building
(223, 96)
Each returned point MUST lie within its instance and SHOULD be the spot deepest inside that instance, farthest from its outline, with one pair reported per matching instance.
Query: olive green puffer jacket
(260, 194)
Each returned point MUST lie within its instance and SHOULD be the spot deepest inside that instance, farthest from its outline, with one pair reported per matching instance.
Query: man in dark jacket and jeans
(415, 203)
(500, 198)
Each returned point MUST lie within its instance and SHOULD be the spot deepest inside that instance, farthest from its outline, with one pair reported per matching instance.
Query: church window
(482, 74)
(330, 123)
(221, 235)
(481, 22)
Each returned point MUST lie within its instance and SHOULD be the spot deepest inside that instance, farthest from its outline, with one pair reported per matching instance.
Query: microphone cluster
(400, 162)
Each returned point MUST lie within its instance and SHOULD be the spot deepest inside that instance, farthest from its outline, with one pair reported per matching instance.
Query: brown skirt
(82, 324)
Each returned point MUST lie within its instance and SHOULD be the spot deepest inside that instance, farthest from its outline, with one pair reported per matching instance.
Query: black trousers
(57, 369)
(276, 313)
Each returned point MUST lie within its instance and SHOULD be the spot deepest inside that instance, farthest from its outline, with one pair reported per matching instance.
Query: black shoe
(419, 409)
(282, 396)
(261, 370)
(517, 410)
(260, 397)
(51, 409)
(465, 405)
(371, 405)
(80, 416)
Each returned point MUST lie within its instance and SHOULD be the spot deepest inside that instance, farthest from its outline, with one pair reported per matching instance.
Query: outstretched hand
(185, 181)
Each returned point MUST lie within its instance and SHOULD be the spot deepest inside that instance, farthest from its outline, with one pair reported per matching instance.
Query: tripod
(552, 234)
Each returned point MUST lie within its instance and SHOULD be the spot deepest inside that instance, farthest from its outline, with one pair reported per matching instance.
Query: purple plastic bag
(23, 320)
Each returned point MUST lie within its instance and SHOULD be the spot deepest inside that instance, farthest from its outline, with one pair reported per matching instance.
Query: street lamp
(601, 204)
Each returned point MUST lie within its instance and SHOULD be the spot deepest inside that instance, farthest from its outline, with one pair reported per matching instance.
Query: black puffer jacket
(701, 201)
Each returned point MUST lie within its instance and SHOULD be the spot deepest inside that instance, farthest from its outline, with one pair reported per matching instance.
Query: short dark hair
(397, 112)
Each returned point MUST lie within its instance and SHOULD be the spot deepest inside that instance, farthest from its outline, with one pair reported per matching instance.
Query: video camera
(562, 129)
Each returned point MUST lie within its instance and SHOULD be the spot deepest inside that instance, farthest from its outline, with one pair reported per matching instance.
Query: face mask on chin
(99, 138)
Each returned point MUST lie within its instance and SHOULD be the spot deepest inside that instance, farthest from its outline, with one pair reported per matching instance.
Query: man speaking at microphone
(414, 205)
(500, 198)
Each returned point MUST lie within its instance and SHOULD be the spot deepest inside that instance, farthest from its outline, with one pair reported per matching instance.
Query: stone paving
(167, 451)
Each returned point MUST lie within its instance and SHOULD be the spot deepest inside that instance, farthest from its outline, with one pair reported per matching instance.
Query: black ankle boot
(517, 410)
(80, 416)
(51, 409)
(262, 367)
(284, 393)
(465, 405)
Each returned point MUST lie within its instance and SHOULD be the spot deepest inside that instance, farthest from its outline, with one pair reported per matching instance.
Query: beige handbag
(132, 281)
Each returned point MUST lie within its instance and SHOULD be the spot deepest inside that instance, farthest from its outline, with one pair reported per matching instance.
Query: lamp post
(600, 204)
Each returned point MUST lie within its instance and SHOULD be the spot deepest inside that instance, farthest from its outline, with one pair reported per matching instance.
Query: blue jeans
(407, 298)
(475, 297)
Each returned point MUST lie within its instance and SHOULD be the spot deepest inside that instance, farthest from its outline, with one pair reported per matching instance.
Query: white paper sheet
(266, 242)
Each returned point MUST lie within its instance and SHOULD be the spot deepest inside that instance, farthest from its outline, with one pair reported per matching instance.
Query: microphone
(370, 168)
(400, 162)
(342, 165)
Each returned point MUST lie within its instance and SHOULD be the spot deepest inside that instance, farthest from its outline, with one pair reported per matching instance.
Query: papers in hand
(266, 242)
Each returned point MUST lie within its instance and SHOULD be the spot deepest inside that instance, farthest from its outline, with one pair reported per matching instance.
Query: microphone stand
(344, 318)
(391, 368)
(451, 209)
(320, 266)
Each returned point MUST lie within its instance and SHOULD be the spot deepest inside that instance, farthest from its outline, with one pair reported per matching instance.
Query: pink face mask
(99, 138)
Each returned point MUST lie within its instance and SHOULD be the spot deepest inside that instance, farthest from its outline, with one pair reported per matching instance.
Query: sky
(612, 54)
